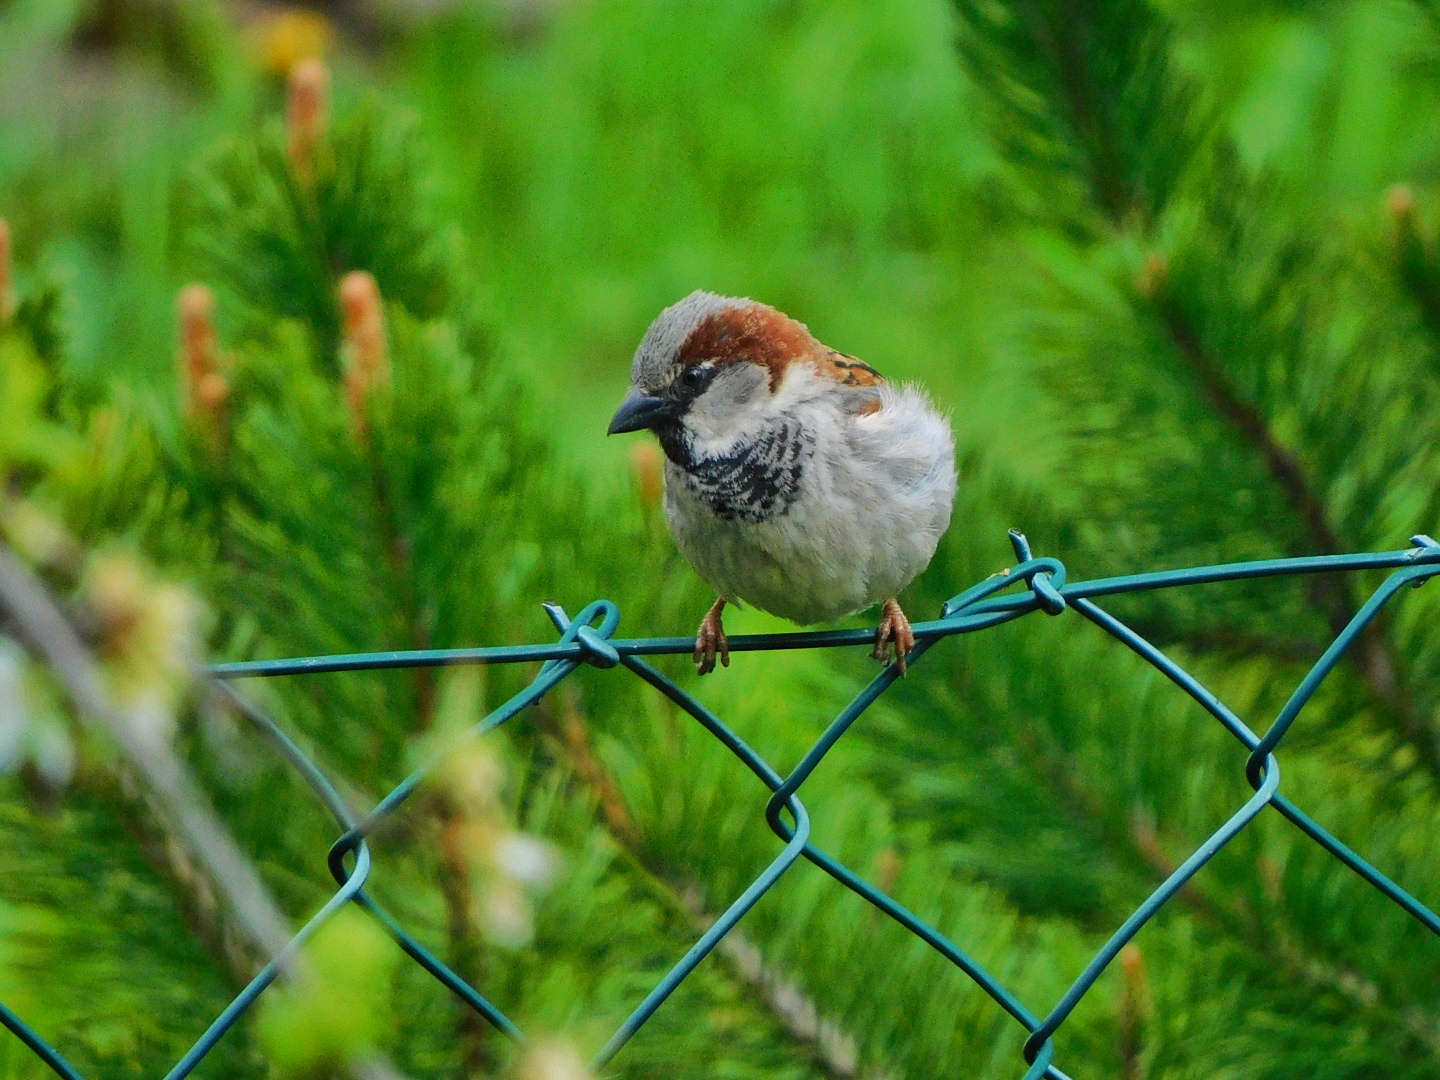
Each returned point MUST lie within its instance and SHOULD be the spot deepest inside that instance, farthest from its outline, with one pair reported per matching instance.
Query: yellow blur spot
(281, 39)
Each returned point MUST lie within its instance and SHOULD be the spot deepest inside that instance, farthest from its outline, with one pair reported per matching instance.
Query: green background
(1171, 267)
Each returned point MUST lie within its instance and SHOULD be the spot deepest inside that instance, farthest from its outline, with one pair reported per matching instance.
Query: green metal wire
(1033, 585)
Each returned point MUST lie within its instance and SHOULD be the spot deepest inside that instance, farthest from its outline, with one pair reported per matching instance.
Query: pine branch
(1067, 38)
(397, 552)
(1077, 782)
(1084, 91)
(368, 378)
(1254, 429)
(1275, 940)
(1060, 40)
(1234, 644)
(1413, 259)
(834, 1050)
(1372, 656)
(476, 1055)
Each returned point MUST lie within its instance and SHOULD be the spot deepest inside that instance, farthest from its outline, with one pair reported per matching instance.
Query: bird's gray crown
(655, 357)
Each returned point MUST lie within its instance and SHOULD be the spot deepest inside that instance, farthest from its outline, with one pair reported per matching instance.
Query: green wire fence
(1034, 585)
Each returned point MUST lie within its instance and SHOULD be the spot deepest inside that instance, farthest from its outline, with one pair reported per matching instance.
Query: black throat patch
(754, 482)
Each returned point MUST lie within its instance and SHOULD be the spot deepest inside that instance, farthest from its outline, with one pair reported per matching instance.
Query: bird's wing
(854, 374)
(846, 370)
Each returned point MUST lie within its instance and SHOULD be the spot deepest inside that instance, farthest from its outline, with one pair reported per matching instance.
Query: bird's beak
(640, 411)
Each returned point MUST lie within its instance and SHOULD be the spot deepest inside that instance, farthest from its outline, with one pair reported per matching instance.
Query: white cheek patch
(734, 409)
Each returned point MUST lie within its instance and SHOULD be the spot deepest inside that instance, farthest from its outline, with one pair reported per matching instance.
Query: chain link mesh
(1033, 585)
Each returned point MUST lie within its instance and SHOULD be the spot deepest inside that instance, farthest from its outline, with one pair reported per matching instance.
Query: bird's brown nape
(759, 334)
(755, 333)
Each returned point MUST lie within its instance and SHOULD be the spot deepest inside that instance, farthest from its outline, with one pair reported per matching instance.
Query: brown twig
(195, 841)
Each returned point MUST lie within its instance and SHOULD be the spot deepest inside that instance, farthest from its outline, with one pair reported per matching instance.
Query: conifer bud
(1272, 881)
(645, 463)
(1400, 205)
(1136, 1005)
(364, 356)
(204, 387)
(7, 276)
(39, 536)
(1153, 277)
(149, 636)
(887, 868)
(307, 114)
(35, 739)
(549, 1058)
(1414, 247)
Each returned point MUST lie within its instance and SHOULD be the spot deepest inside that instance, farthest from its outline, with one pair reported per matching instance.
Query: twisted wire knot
(593, 640)
(1037, 574)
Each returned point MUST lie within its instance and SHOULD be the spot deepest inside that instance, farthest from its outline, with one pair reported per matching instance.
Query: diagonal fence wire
(1033, 585)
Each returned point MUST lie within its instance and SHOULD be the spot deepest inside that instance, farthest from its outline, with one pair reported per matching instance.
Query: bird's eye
(693, 377)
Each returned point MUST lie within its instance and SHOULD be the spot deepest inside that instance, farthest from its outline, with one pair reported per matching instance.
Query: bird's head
(711, 372)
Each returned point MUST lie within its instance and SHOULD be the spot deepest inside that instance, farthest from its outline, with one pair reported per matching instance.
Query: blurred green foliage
(1171, 265)
(337, 1006)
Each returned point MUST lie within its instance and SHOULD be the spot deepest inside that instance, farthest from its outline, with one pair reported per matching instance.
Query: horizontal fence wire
(587, 639)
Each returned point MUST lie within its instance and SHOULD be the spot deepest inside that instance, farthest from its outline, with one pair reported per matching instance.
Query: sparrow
(797, 479)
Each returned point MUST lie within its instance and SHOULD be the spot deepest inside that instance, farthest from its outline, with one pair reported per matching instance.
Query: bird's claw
(710, 641)
(894, 636)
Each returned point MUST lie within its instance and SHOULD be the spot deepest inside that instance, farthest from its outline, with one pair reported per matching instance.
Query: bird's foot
(710, 641)
(894, 635)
